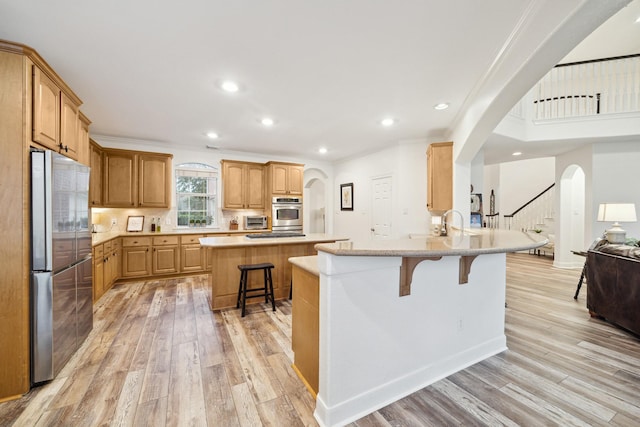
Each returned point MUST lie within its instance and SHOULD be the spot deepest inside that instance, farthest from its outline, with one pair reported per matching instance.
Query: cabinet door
(254, 189)
(154, 174)
(233, 185)
(295, 180)
(279, 179)
(192, 258)
(69, 128)
(136, 261)
(120, 184)
(84, 154)
(46, 110)
(95, 177)
(98, 275)
(166, 259)
(440, 176)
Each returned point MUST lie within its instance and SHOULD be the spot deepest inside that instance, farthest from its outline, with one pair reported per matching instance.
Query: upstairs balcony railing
(601, 86)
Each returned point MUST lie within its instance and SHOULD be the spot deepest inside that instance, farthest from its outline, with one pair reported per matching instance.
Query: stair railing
(533, 213)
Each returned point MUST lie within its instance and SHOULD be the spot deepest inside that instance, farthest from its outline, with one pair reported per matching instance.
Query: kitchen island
(398, 315)
(226, 253)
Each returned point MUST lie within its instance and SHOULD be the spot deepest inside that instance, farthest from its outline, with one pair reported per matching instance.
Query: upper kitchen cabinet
(84, 153)
(135, 179)
(285, 178)
(440, 176)
(243, 185)
(46, 110)
(154, 180)
(95, 177)
(55, 115)
(120, 174)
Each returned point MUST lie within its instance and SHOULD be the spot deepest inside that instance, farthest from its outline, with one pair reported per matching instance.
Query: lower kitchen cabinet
(166, 255)
(136, 257)
(98, 272)
(192, 255)
(106, 266)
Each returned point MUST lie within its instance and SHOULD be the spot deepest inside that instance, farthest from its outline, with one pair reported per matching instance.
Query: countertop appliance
(272, 235)
(61, 277)
(255, 222)
(286, 214)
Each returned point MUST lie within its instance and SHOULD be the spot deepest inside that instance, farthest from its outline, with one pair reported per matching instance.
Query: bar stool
(266, 291)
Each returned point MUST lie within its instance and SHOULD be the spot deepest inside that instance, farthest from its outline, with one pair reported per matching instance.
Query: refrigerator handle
(41, 220)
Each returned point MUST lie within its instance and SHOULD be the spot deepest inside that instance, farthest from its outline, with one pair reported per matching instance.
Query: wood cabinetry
(136, 256)
(120, 178)
(55, 116)
(165, 255)
(223, 264)
(243, 185)
(98, 272)
(46, 110)
(69, 127)
(84, 155)
(192, 255)
(440, 176)
(106, 266)
(135, 179)
(95, 178)
(305, 326)
(30, 103)
(285, 178)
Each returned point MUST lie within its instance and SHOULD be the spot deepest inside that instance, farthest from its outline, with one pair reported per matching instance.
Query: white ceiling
(326, 71)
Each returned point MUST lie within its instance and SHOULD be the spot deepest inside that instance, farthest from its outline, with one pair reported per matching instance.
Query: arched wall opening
(570, 231)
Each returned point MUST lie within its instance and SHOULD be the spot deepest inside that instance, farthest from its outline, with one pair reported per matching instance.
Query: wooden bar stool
(266, 291)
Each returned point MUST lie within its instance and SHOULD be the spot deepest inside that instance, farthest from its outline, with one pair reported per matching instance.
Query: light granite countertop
(469, 242)
(239, 241)
(307, 263)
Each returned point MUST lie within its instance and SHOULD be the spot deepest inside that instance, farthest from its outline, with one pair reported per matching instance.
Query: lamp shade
(617, 212)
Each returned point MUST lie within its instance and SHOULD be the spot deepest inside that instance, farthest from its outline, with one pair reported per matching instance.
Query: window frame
(207, 171)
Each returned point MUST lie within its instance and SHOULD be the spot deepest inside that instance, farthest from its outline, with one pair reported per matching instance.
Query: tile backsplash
(102, 218)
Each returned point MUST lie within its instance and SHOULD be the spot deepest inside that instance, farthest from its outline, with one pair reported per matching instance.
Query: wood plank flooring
(158, 356)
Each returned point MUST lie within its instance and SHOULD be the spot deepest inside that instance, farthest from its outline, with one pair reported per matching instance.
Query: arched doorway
(315, 201)
(570, 231)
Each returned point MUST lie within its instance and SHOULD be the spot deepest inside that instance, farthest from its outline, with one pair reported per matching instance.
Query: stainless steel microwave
(255, 222)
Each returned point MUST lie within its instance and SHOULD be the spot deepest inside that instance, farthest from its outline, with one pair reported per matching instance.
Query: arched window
(196, 195)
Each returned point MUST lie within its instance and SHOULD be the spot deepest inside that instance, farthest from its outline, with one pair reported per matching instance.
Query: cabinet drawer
(98, 251)
(165, 240)
(136, 241)
(107, 247)
(190, 239)
(116, 245)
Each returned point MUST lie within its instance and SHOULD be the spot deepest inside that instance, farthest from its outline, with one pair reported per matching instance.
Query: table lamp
(616, 213)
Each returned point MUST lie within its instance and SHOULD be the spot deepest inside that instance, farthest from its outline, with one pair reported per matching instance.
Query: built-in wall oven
(286, 214)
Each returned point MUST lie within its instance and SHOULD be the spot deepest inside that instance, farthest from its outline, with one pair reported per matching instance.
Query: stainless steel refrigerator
(61, 278)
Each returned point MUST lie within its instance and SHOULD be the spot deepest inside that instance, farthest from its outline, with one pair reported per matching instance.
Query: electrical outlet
(114, 221)
(167, 220)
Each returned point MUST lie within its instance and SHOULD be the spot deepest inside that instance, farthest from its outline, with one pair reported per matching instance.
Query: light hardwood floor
(158, 356)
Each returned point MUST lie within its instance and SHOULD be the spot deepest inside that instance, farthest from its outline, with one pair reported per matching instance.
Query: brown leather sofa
(613, 280)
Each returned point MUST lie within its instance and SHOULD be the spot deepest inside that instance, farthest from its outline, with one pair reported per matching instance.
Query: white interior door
(381, 207)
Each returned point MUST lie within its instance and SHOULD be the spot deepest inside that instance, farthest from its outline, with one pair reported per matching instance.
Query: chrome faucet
(443, 223)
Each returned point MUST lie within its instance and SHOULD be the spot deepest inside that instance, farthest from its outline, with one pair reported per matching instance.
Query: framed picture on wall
(346, 197)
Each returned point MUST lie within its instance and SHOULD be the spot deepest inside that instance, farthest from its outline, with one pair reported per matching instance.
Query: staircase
(537, 215)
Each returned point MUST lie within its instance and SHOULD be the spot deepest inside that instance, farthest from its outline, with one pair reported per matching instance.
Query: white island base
(377, 347)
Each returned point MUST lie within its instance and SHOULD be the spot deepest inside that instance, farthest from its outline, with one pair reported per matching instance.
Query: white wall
(406, 164)
(616, 179)
(520, 181)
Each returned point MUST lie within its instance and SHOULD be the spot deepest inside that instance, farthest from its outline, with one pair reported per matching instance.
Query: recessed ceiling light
(267, 121)
(230, 86)
(517, 153)
(387, 122)
(212, 135)
(322, 150)
(441, 106)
